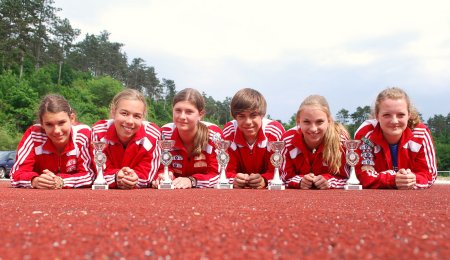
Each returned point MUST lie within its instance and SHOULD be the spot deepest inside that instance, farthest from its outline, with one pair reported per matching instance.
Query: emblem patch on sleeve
(367, 153)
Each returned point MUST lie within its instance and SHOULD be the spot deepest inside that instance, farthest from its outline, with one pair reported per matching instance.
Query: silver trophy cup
(223, 158)
(277, 160)
(352, 159)
(166, 159)
(99, 159)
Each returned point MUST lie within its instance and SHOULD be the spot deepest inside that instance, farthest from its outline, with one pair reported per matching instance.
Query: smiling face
(249, 122)
(393, 117)
(128, 115)
(57, 126)
(186, 116)
(314, 123)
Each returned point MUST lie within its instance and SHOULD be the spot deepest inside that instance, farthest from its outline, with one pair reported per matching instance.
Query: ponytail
(332, 146)
(200, 139)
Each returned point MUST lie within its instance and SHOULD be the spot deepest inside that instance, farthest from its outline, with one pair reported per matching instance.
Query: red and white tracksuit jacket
(204, 167)
(141, 154)
(256, 159)
(36, 153)
(415, 152)
(299, 160)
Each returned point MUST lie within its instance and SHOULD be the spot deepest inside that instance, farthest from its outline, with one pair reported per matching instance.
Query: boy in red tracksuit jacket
(54, 154)
(194, 163)
(250, 134)
(397, 150)
(132, 154)
(315, 150)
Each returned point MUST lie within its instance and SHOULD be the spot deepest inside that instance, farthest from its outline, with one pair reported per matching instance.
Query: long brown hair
(398, 93)
(195, 98)
(54, 103)
(332, 151)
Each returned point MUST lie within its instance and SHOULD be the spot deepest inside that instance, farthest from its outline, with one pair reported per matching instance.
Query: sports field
(224, 224)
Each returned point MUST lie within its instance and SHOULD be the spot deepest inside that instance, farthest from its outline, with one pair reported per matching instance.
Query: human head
(317, 125)
(128, 109)
(54, 103)
(128, 94)
(192, 96)
(248, 107)
(188, 110)
(314, 117)
(56, 118)
(396, 93)
(248, 100)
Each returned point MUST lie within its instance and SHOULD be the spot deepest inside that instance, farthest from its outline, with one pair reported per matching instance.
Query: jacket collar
(239, 138)
(298, 142)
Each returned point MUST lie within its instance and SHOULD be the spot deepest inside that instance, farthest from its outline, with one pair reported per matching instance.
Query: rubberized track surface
(208, 223)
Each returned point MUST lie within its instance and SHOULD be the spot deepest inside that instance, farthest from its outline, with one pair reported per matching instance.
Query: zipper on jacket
(59, 163)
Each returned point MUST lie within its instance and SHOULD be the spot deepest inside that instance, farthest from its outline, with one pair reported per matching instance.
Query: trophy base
(353, 187)
(276, 187)
(99, 186)
(165, 186)
(223, 186)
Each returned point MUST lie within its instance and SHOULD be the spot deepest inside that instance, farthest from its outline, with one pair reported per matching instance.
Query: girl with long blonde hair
(315, 151)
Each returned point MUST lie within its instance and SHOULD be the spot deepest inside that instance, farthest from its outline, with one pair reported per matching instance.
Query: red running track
(225, 224)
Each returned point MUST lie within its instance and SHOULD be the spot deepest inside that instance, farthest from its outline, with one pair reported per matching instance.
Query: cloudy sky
(347, 50)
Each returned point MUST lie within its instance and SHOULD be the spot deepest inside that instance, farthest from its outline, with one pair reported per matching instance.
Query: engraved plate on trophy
(166, 159)
(99, 159)
(352, 159)
(223, 158)
(277, 160)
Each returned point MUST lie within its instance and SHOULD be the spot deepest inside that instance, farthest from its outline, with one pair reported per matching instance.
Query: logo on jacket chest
(71, 165)
(200, 161)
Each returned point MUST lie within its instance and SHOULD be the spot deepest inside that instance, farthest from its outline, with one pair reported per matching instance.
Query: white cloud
(282, 46)
(255, 31)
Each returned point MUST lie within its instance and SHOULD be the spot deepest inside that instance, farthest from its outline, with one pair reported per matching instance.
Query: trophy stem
(276, 176)
(100, 182)
(166, 174)
(223, 182)
(352, 182)
(353, 179)
(166, 183)
(276, 183)
(223, 176)
(100, 178)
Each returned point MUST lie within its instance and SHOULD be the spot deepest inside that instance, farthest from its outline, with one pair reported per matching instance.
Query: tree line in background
(39, 55)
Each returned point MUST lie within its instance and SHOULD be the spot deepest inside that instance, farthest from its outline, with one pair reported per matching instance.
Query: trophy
(100, 159)
(352, 159)
(222, 159)
(166, 159)
(276, 159)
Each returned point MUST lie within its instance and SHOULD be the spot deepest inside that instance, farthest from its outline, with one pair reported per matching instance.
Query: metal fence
(443, 173)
